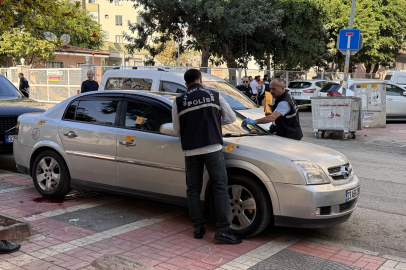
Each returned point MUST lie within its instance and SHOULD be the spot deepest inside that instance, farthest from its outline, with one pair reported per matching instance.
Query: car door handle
(127, 143)
(70, 134)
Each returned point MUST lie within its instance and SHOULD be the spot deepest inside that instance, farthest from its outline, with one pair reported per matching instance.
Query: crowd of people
(255, 88)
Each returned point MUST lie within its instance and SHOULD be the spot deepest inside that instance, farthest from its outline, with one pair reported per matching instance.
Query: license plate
(352, 194)
(10, 138)
(296, 93)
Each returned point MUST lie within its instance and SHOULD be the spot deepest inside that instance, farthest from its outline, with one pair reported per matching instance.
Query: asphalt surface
(379, 222)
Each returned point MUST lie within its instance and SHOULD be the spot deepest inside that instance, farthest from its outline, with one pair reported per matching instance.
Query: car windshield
(8, 90)
(331, 87)
(235, 129)
(237, 100)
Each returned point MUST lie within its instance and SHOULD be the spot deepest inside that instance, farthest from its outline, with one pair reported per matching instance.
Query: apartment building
(113, 15)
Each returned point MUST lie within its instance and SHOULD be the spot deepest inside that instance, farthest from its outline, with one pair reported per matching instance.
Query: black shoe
(7, 247)
(227, 237)
(199, 232)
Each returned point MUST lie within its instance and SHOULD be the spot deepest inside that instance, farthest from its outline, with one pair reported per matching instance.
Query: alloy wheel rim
(242, 207)
(48, 174)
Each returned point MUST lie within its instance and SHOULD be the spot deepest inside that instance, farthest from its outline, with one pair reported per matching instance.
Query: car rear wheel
(50, 175)
(250, 209)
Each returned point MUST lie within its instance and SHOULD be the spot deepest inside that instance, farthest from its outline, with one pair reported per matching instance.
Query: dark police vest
(200, 117)
(288, 126)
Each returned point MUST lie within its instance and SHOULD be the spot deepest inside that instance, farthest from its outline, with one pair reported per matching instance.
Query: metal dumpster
(336, 114)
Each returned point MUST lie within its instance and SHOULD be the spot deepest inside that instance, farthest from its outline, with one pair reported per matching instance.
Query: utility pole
(347, 57)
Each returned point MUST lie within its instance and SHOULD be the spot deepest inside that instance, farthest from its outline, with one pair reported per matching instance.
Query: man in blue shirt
(285, 113)
(89, 84)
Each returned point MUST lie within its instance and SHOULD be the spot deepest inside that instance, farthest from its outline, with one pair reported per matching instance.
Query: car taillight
(309, 90)
(334, 94)
(17, 127)
(287, 90)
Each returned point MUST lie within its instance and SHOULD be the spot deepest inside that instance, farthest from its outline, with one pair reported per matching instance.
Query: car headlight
(313, 173)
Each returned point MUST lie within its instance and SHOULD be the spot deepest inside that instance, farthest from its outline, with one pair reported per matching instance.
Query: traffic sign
(349, 39)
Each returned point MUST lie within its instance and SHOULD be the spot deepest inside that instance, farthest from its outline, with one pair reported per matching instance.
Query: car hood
(291, 149)
(255, 114)
(19, 106)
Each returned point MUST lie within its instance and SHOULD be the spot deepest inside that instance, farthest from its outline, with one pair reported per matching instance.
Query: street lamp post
(347, 57)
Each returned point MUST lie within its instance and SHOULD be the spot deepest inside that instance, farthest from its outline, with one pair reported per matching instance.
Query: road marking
(15, 189)
(259, 254)
(54, 250)
(69, 209)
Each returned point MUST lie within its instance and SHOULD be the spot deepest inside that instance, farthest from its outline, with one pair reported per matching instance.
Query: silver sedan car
(123, 142)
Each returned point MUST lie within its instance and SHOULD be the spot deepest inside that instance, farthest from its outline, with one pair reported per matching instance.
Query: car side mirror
(167, 129)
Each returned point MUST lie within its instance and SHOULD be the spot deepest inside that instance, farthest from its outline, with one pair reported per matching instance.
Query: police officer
(197, 118)
(285, 113)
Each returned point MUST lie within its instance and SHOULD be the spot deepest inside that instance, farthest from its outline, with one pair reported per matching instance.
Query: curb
(16, 231)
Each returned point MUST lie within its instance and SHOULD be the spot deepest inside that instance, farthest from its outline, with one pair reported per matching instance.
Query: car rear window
(299, 85)
(330, 87)
(321, 84)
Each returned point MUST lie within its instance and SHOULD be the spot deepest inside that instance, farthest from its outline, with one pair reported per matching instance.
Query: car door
(148, 161)
(88, 133)
(395, 100)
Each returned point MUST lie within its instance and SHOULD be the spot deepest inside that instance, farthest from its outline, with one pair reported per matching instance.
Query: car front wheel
(250, 209)
(50, 175)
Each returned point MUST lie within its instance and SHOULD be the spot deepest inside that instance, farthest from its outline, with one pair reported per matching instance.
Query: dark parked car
(12, 104)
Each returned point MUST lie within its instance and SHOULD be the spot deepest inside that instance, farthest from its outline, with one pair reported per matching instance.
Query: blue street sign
(349, 39)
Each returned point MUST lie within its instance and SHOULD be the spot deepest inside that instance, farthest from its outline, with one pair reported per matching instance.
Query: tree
(382, 24)
(169, 56)
(16, 45)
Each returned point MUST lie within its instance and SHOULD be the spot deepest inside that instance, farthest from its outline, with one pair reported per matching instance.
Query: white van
(398, 77)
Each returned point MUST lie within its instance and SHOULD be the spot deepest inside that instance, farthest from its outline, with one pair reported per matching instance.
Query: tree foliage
(16, 45)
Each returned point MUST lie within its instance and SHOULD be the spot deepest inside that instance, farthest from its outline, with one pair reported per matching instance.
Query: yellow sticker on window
(374, 85)
(129, 138)
(230, 147)
(364, 86)
(40, 122)
(139, 120)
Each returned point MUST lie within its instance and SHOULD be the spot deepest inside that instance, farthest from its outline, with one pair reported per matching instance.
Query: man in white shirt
(197, 116)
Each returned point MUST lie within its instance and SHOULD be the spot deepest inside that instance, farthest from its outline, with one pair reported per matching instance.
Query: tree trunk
(268, 61)
(368, 68)
(376, 67)
(205, 55)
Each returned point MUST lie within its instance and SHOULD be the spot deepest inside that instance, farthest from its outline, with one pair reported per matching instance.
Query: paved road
(379, 223)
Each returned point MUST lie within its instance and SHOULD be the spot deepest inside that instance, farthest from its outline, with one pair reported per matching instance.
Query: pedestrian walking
(24, 87)
(6, 247)
(197, 118)
(245, 88)
(285, 113)
(90, 84)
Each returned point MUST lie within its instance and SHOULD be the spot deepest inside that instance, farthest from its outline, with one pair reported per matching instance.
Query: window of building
(106, 16)
(119, 20)
(78, 65)
(92, 1)
(119, 39)
(118, 2)
(54, 64)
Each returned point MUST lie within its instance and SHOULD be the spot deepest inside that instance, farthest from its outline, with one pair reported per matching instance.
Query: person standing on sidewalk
(90, 84)
(245, 88)
(24, 87)
(285, 113)
(197, 118)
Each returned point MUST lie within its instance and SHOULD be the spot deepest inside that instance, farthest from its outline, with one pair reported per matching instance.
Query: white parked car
(397, 77)
(123, 141)
(303, 90)
(395, 97)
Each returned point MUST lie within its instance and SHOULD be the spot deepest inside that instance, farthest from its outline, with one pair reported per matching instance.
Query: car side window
(172, 87)
(128, 84)
(392, 90)
(145, 116)
(320, 84)
(93, 111)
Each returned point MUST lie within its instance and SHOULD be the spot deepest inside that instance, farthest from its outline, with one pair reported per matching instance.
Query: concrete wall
(71, 61)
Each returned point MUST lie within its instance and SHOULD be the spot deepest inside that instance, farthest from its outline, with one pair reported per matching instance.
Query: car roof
(318, 80)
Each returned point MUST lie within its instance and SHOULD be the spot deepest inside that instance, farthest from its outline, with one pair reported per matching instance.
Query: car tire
(259, 218)
(51, 175)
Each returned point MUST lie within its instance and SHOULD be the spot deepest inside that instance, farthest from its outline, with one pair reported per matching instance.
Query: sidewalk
(72, 233)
